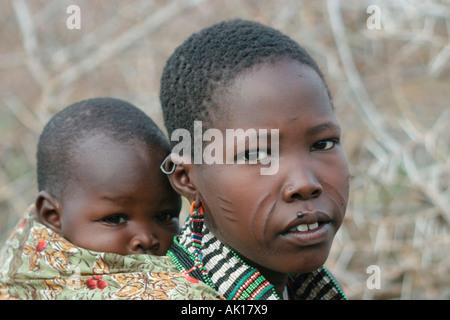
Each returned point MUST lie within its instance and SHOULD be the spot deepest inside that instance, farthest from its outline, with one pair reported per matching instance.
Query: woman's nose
(144, 242)
(301, 184)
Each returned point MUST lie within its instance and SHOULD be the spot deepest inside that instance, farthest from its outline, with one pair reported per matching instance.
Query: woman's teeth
(305, 227)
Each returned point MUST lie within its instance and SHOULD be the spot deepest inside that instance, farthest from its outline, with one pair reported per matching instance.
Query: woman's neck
(277, 279)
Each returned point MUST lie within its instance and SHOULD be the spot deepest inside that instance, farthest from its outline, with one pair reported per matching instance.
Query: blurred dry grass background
(391, 89)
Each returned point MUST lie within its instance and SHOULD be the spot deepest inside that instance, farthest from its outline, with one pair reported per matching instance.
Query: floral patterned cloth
(37, 263)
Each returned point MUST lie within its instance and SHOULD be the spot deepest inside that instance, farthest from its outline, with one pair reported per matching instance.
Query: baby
(99, 181)
(105, 214)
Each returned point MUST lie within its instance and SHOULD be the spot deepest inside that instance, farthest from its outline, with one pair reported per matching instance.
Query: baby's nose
(144, 242)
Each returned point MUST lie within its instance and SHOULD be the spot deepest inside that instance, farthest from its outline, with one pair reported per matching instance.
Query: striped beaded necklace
(198, 253)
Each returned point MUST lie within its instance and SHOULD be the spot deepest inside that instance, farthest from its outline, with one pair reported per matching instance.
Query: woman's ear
(181, 177)
(48, 211)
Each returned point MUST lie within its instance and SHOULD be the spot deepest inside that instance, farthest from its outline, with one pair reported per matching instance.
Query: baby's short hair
(114, 118)
(209, 59)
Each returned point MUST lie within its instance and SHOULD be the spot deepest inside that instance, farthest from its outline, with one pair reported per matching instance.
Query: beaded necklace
(199, 254)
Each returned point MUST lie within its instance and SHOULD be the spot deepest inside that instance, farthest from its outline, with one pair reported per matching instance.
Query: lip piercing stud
(300, 214)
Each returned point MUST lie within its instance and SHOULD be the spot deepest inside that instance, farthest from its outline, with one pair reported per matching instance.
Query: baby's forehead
(100, 157)
(101, 142)
(99, 138)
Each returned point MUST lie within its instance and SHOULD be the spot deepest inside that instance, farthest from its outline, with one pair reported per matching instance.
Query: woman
(254, 234)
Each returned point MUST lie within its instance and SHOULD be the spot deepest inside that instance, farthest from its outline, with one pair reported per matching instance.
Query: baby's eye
(115, 219)
(255, 155)
(163, 217)
(324, 145)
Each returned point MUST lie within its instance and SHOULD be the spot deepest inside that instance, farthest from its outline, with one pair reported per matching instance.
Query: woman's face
(257, 215)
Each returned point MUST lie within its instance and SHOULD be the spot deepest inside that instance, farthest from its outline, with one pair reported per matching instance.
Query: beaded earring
(196, 220)
(197, 269)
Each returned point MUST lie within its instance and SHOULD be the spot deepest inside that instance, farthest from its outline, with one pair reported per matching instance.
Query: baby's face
(118, 200)
(257, 215)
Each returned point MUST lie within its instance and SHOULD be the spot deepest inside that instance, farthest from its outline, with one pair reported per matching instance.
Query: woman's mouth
(308, 234)
(310, 229)
(304, 227)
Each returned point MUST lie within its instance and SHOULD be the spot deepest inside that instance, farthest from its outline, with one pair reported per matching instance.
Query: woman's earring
(196, 219)
(164, 165)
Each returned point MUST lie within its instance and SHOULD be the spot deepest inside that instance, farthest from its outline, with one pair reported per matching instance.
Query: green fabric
(37, 263)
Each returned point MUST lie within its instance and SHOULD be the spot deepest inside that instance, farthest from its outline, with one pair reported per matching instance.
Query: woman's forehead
(272, 94)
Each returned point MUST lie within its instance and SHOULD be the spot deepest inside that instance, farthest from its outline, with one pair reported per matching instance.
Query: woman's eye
(255, 155)
(115, 219)
(324, 145)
